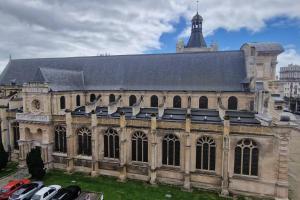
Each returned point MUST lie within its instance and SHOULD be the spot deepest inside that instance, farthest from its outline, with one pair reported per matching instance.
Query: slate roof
(203, 71)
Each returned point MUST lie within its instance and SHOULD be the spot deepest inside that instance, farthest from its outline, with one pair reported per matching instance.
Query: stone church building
(197, 118)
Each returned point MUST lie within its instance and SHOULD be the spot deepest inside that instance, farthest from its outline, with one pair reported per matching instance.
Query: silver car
(27, 191)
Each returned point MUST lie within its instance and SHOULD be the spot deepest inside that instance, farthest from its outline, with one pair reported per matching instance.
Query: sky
(56, 28)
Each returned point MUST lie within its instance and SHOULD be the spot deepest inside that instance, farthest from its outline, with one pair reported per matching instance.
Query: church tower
(196, 42)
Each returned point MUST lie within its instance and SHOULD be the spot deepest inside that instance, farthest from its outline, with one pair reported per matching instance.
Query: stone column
(153, 155)
(283, 159)
(4, 128)
(225, 160)
(123, 148)
(70, 142)
(95, 146)
(187, 154)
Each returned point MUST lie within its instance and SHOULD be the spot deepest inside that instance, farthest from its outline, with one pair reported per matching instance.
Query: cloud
(55, 28)
(289, 56)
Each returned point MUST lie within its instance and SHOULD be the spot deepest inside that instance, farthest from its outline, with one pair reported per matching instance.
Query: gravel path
(20, 174)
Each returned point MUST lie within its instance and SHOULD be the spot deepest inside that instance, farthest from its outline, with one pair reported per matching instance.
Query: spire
(196, 38)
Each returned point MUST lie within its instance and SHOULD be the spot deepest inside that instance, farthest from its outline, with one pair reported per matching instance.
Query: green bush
(3, 157)
(35, 164)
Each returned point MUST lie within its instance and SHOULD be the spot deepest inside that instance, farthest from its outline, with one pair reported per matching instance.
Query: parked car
(11, 187)
(46, 193)
(69, 193)
(27, 191)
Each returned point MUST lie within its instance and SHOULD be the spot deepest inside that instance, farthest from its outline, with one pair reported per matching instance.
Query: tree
(3, 156)
(35, 164)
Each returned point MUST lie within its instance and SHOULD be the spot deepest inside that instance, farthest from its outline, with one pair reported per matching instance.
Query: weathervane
(197, 5)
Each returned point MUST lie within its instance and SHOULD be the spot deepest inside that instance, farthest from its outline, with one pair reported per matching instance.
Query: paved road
(294, 163)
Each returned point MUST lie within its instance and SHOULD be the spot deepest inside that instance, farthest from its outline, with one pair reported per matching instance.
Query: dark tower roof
(196, 38)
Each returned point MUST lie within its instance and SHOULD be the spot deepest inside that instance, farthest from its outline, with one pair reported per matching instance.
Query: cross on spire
(197, 5)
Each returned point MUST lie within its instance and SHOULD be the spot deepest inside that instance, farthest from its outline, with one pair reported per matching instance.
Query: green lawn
(131, 190)
(10, 168)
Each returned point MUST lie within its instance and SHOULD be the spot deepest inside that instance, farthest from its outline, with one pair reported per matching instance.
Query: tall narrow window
(154, 101)
(92, 97)
(177, 102)
(232, 103)
(60, 139)
(132, 100)
(139, 146)
(203, 102)
(246, 158)
(84, 142)
(206, 153)
(111, 144)
(78, 100)
(62, 102)
(112, 98)
(16, 132)
(171, 150)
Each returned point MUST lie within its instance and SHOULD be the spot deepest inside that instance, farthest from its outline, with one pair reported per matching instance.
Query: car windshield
(3, 190)
(36, 197)
(14, 196)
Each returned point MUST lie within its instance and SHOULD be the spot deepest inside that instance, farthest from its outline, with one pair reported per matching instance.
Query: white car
(46, 193)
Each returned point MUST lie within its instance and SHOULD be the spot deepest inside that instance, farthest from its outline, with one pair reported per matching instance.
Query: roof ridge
(125, 55)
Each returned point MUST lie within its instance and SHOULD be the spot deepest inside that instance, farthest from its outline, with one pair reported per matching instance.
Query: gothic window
(177, 102)
(154, 101)
(132, 100)
(111, 144)
(246, 158)
(203, 102)
(252, 53)
(206, 153)
(16, 134)
(62, 102)
(171, 150)
(60, 139)
(84, 142)
(112, 98)
(232, 103)
(92, 97)
(139, 146)
(78, 100)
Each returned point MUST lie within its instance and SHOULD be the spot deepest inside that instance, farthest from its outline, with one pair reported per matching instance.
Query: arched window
(92, 97)
(78, 100)
(16, 134)
(205, 153)
(111, 144)
(171, 150)
(154, 101)
(60, 139)
(139, 146)
(84, 142)
(132, 100)
(232, 103)
(203, 102)
(177, 102)
(246, 158)
(112, 98)
(62, 102)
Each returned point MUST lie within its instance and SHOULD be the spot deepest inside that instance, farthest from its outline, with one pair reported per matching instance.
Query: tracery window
(84, 141)
(203, 102)
(171, 150)
(139, 147)
(62, 102)
(92, 97)
(177, 102)
(60, 144)
(16, 134)
(111, 144)
(246, 158)
(232, 103)
(206, 153)
(132, 100)
(78, 100)
(112, 98)
(154, 101)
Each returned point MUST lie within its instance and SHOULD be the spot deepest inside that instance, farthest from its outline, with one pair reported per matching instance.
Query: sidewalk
(294, 165)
